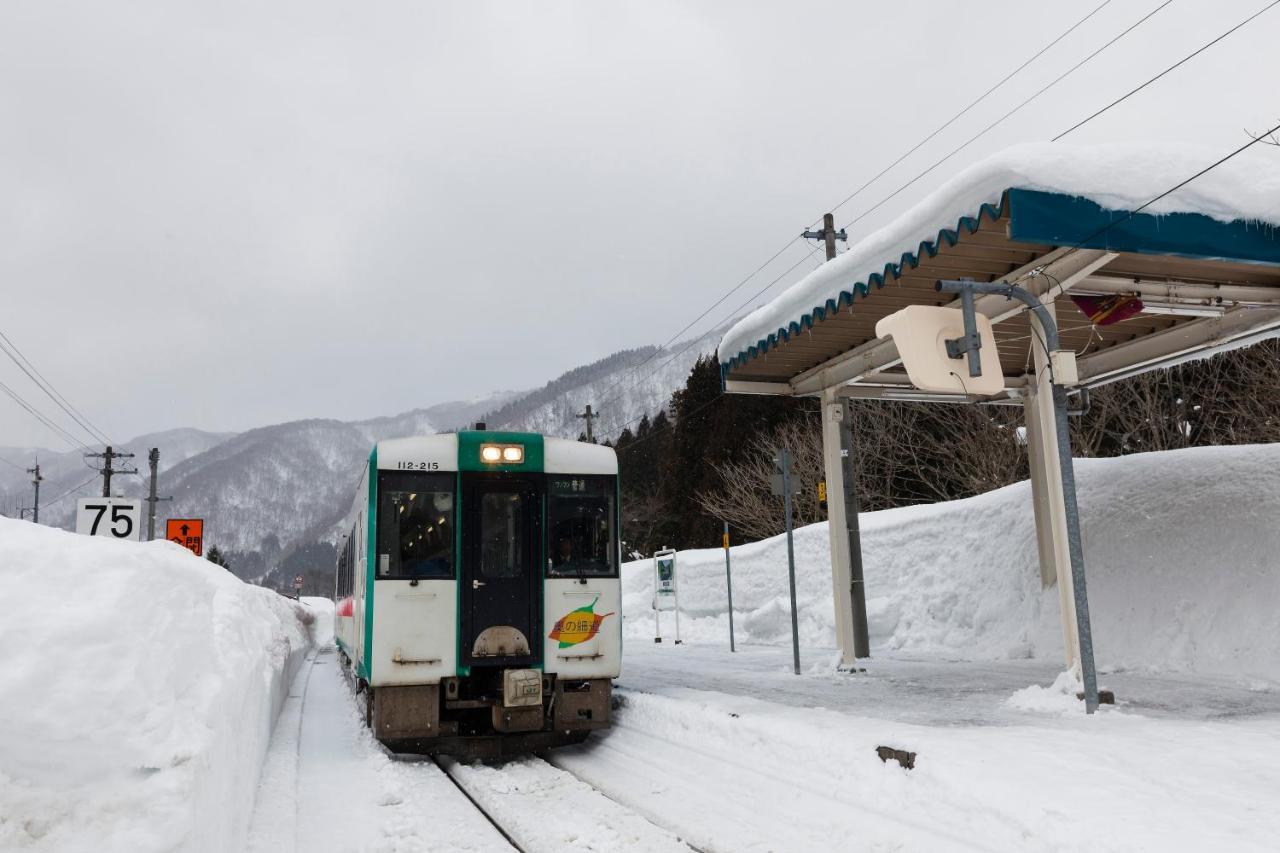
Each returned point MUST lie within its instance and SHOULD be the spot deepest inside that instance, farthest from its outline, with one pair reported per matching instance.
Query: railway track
(538, 807)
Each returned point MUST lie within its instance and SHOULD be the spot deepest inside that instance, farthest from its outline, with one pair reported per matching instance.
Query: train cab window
(581, 539)
(415, 526)
(502, 534)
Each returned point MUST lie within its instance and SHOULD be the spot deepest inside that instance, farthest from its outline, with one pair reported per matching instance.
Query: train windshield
(415, 526)
(581, 520)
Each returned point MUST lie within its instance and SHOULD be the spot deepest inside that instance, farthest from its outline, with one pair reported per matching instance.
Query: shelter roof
(1096, 220)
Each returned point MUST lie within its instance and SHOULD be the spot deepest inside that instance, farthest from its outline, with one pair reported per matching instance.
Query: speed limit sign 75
(115, 518)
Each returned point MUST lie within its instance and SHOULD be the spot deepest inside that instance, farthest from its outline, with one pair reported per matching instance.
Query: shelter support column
(842, 511)
(1046, 490)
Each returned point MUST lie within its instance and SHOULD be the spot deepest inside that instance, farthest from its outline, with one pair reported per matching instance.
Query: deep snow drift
(140, 690)
(1182, 557)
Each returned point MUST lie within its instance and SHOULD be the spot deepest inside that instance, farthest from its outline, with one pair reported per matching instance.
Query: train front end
(485, 602)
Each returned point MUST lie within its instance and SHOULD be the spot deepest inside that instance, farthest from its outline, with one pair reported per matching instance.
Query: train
(478, 593)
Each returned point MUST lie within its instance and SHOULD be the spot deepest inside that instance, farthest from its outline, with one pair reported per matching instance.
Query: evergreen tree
(215, 556)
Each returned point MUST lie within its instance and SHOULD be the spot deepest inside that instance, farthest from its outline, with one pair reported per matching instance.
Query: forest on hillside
(706, 458)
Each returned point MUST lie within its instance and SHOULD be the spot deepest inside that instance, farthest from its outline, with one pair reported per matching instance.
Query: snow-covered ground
(1180, 555)
(762, 760)
(139, 694)
(149, 680)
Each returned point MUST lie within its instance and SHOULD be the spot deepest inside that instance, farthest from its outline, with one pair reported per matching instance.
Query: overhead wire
(913, 149)
(1175, 65)
(44, 419)
(24, 364)
(993, 125)
(1122, 34)
(1037, 54)
(68, 491)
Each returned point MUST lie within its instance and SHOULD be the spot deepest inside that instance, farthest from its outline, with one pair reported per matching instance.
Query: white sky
(228, 214)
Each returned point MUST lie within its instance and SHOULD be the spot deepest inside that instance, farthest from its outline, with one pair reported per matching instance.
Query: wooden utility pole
(108, 456)
(591, 439)
(35, 481)
(828, 234)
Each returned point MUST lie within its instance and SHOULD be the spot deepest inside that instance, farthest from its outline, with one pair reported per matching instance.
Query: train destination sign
(187, 532)
(114, 518)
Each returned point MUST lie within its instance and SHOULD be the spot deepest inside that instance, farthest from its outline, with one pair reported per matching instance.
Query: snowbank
(141, 685)
(1116, 176)
(1182, 555)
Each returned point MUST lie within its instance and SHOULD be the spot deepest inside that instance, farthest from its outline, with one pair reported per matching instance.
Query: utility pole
(107, 456)
(589, 418)
(154, 459)
(828, 234)
(35, 481)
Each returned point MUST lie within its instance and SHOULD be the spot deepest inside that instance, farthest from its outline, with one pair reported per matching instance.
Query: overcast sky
(229, 214)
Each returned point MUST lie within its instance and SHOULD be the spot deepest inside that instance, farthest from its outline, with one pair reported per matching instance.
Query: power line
(686, 347)
(13, 465)
(1007, 115)
(1173, 189)
(695, 320)
(11, 349)
(69, 491)
(913, 149)
(885, 170)
(62, 433)
(1184, 59)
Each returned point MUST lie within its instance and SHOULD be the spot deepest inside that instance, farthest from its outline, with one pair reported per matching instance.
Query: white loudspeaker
(920, 332)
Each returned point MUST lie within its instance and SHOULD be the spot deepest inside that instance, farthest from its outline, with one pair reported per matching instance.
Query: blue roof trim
(1059, 219)
(927, 248)
(1067, 220)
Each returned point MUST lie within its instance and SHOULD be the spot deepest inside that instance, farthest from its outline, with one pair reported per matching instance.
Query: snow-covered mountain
(268, 491)
(621, 389)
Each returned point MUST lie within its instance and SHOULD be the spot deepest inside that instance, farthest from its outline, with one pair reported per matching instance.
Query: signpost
(114, 518)
(665, 595)
(783, 484)
(728, 580)
(187, 532)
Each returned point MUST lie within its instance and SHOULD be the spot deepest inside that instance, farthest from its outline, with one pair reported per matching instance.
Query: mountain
(621, 388)
(271, 497)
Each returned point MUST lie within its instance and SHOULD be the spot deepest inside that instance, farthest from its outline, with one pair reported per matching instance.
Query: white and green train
(479, 605)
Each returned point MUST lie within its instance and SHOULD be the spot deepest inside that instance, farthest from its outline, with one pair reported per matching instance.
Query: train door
(501, 574)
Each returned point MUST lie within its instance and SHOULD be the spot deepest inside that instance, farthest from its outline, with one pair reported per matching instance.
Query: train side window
(581, 522)
(415, 526)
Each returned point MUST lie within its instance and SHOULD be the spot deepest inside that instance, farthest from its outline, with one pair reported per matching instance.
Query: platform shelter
(1168, 271)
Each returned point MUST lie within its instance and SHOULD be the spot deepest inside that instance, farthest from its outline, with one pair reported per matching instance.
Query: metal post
(784, 460)
(728, 581)
(154, 459)
(1074, 543)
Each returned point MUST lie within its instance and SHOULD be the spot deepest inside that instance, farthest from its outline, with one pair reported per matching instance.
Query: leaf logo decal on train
(579, 625)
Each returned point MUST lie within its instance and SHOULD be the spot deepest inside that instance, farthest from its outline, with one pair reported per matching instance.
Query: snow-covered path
(329, 788)
(1181, 765)
(734, 753)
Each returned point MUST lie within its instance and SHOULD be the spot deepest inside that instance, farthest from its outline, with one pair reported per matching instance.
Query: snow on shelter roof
(1228, 205)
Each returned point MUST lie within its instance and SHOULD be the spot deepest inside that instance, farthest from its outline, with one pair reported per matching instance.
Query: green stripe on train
(371, 525)
(469, 451)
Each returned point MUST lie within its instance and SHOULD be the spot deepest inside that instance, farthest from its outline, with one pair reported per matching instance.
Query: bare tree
(744, 498)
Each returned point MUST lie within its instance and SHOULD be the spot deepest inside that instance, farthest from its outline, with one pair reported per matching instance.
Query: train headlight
(495, 453)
